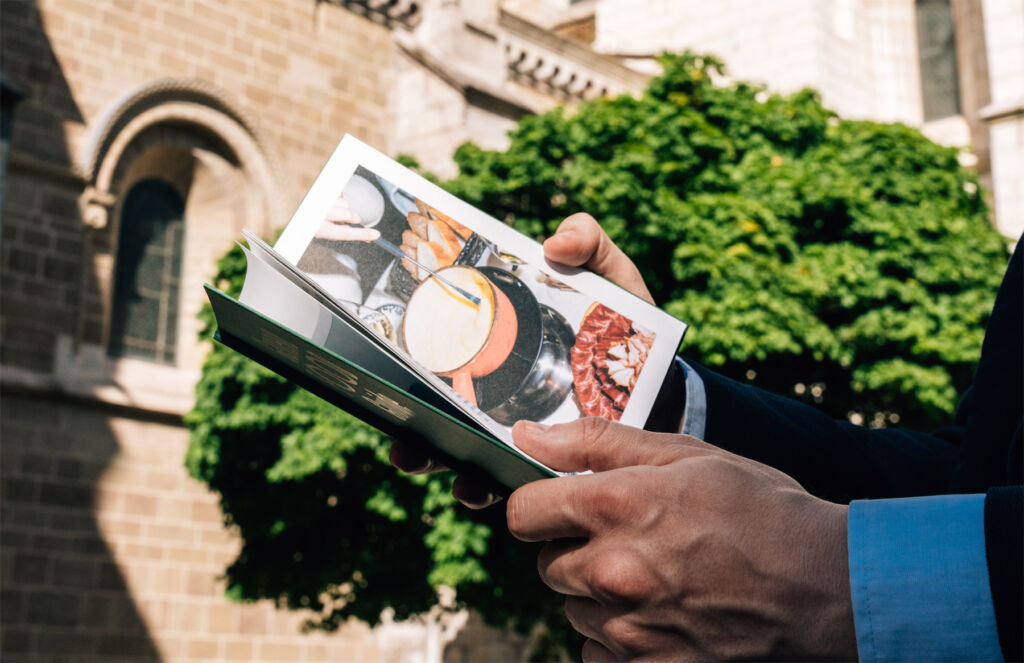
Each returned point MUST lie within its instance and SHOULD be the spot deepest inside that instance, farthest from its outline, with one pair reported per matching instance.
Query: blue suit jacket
(979, 453)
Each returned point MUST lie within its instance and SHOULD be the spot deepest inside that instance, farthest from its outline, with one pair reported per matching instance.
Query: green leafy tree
(849, 264)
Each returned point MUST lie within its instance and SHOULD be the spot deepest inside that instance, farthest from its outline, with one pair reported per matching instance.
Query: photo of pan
(460, 326)
(536, 377)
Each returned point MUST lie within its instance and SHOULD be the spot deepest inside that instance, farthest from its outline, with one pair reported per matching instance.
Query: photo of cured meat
(433, 239)
(609, 353)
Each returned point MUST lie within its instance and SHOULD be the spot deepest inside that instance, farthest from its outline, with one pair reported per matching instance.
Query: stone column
(1004, 42)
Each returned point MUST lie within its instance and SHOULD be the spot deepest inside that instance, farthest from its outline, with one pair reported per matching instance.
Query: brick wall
(112, 553)
(41, 269)
(307, 71)
(109, 551)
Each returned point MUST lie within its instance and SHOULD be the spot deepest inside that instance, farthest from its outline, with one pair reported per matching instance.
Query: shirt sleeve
(919, 580)
(695, 413)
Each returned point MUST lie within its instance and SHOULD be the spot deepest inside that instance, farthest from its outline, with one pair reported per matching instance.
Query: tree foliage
(846, 263)
(854, 257)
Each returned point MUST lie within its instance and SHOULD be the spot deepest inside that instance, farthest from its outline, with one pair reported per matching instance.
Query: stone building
(950, 67)
(149, 133)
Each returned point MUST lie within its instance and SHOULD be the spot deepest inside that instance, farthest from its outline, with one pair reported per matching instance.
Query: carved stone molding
(406, 13)
(136, 101)
(95, 207)
(171, 101)
(560, 67)
(195, 138)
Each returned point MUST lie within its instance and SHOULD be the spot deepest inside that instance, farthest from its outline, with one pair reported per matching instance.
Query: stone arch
(192, 135)
(195, 104)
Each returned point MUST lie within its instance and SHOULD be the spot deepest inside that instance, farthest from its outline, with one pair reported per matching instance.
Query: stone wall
(109, 551)
(309, 72)
(112, 553)
(1004, 37)
(860, 54)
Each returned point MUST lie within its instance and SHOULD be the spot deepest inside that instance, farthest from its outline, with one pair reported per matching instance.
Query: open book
(429, 319)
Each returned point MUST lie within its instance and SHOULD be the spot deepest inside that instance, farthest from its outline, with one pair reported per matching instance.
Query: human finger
(598, 569)
(580, 241)
(585, 505)
(615, 628)
(473, 494)
(413, 458)
(593, 443)
(560, 565)
(581, 611)
(594, 652)
(546, 510)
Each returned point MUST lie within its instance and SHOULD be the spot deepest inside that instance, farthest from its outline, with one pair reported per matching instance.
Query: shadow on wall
(63, 595)
(38, 207)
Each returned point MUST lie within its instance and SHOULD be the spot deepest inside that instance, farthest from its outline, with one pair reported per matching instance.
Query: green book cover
(393, 409)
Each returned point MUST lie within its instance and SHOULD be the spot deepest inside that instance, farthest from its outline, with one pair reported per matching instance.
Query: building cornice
(390, 13)
(31, 384)
(27, 163)
(1002, 110)
(463, 80)
(550, 62)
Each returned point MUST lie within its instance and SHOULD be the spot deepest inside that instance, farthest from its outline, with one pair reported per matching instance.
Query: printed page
(381, 403)
(316, 313)
(275, 295)
(474, 302)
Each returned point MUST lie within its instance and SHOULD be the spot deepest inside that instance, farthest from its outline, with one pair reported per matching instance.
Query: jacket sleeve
(835, 460)
(1004, 551)
(840, 461)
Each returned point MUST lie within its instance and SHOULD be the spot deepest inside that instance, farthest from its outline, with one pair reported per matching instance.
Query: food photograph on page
(508, 337)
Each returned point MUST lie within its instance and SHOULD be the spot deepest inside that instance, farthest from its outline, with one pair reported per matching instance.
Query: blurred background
(140, 136)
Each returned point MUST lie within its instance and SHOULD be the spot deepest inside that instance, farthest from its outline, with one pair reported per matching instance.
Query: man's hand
(674, 549)
(413, 459)
(581, 242)
(578, 242)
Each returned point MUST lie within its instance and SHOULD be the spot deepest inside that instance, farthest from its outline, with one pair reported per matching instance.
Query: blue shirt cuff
(919, 580)
(695, 414)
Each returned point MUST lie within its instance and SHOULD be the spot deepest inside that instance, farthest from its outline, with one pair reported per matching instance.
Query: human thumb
(596, 444)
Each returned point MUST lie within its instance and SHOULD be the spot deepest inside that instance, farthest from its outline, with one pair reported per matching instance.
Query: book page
(283, 293)
(473, 302)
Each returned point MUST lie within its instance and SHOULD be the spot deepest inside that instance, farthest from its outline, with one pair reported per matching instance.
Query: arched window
(147, 276)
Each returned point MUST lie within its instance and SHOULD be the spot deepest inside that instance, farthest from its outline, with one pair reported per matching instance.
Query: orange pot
(499, 340)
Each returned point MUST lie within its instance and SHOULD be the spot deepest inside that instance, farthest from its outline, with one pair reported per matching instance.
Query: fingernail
(422, 468)
(425, 468)
(535, 428)
(487, 501)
